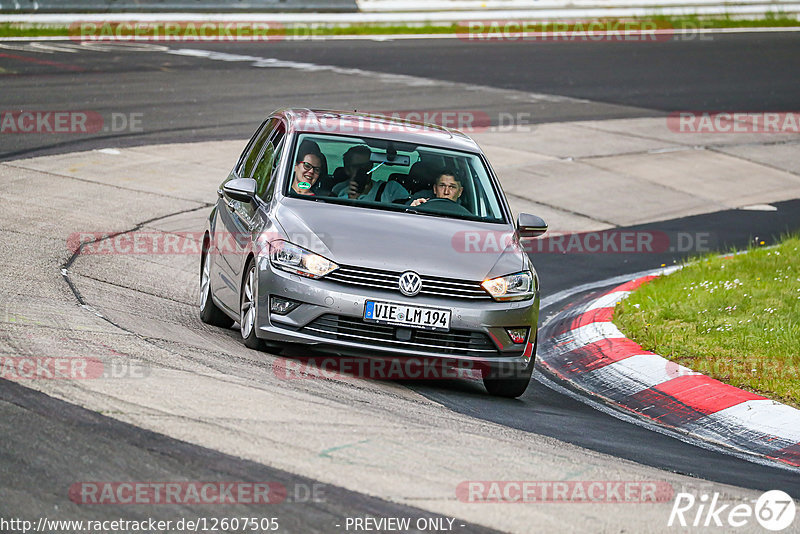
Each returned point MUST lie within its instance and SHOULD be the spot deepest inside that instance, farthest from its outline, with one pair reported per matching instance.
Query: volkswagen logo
(410, 283)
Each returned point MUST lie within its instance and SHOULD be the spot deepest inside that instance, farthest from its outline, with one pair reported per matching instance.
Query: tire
(209, 312)
(504, 382)
(248, 300)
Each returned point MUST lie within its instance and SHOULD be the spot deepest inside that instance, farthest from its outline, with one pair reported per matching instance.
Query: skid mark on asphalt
(37, 61)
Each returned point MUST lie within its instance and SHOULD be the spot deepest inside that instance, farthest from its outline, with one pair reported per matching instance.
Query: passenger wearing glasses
(446, 186)
(307, 168)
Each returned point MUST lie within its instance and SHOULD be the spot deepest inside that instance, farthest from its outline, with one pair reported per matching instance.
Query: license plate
(405, 315)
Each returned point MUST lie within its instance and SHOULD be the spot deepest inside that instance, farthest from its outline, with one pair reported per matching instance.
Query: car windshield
(388, 175)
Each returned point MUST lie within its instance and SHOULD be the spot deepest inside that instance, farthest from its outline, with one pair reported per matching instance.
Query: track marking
(403, 79)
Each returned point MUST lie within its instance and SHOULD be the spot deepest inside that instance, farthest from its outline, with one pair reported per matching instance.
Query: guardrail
(442, 10)
(541, 5)
(343, 12)
(171, 6)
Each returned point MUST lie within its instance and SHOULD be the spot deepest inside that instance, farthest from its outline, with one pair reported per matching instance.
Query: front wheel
(209, 312)
(247, 309)
(510, 388)
(509, 383)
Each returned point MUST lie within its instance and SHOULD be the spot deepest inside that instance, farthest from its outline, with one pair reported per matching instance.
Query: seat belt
(380, 191)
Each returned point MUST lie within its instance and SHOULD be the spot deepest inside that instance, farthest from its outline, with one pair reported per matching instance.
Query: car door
(269, 159)
(256, 216)
(236, 222)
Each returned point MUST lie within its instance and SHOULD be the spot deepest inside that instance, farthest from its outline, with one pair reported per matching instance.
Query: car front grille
(431, 286)
(455, 342)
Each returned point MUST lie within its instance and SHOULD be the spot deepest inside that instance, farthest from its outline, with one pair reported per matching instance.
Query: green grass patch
(14, 29)
(734, 318)
(19, 29)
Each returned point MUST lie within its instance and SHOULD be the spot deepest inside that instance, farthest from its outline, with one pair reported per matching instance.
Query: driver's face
(447, 187)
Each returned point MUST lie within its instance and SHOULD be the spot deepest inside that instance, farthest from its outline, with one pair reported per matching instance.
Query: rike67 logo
(774, 510)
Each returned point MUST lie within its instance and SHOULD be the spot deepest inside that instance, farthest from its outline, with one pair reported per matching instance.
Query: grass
(734, 318)
(16, 29)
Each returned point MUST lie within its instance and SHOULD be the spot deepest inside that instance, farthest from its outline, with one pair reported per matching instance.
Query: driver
(446, 186)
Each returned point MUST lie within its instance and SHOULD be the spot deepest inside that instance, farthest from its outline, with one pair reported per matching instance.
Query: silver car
(407, 249)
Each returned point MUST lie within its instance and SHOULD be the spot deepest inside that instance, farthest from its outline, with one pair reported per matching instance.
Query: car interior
(415, 168)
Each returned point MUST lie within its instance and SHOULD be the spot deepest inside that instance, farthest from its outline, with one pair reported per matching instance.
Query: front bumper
(330, 318)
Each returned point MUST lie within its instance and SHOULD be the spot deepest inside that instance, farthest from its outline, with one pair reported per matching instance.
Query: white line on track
(404, 79)
(406, 36)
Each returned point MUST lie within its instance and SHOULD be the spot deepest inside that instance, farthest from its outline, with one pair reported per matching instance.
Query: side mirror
(530, 226)
(242, 189)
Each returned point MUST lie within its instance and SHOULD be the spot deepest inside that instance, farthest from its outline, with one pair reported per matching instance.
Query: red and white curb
(586, 349)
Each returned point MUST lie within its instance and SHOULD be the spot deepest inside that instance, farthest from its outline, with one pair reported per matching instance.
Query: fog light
(282, 306)
(517, 335)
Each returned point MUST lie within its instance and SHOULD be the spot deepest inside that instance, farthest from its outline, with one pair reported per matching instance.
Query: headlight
(297, 260)
(519, 286)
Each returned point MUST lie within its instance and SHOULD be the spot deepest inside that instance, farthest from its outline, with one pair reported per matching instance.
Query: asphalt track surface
(36, 427)
(187, 98)
(569, 420)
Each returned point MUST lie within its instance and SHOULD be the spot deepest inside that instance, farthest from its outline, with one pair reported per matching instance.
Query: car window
(247, 149)
(250, 157)
(399, 173)
(268, 162)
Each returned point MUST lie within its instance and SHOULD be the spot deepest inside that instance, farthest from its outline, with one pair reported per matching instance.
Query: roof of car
(376, 126)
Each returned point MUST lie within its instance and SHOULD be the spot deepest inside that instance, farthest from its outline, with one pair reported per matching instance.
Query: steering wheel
(444, 205)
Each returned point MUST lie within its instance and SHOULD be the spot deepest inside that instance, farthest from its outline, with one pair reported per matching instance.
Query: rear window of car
(381, 174)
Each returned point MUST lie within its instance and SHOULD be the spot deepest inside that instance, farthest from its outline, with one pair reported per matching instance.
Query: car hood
(399, 241)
